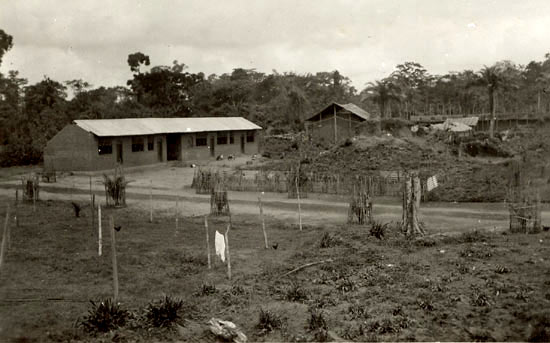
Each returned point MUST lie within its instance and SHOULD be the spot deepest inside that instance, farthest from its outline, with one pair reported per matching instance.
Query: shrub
(346, 285)
(328, 240)
(268, 321)
(378, 229)
(296, 293)
(316, 320)
(104, 316)
(165, 312)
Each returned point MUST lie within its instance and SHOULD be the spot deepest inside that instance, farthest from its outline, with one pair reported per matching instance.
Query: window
(250, 137)
(231, 138)
(201, 139)
(222, 138)
(151, 143)
(104, 146)
(137, 144)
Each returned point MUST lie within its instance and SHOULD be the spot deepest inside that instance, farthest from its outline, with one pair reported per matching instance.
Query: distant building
(336, 122)
(101, 144)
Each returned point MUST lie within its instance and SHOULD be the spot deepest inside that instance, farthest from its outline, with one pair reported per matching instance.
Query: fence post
(263, 220)
(151, 201)
(207, 242)
(100, 233)
(298, 197)
(113, 253)
(227, 252)
(4, 237)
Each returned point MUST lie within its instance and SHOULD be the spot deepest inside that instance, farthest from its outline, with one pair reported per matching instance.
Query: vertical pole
(4, 237)
(151, 201)
(298, 197)
(177, 214)
(227, 252)
(335, 127)
(16, 205)
(99, 233)
(113, 253)
(263, 220)
(34, 196)
(92, 207)
(207, 242)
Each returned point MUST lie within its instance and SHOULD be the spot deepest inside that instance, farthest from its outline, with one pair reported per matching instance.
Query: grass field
(469, 286)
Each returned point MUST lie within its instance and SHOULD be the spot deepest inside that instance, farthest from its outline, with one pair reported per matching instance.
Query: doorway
(159, 151)
(119, 158)
(212, 149)
(173, 146)
(242, 143)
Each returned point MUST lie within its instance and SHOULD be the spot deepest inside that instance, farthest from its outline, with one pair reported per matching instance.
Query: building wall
(324, 130)
(74, 149)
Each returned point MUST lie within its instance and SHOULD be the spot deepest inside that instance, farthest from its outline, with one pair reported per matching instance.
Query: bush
(378, 229)
(296, 293)
(164, 313)
(316, 320)
(328, 240)
(104, 316)
(268, 321)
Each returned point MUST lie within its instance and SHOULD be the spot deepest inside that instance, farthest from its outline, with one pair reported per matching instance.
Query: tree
(136, 60)
(382, 93)
(410, 77)
(6, 43)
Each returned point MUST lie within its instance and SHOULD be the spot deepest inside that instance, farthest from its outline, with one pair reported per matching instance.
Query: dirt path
(171, 182)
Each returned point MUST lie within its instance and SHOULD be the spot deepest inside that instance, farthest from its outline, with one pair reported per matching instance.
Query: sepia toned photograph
(275, 171)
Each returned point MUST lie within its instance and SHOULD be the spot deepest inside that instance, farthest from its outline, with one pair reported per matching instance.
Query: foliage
(329, 240)
(296, 293)
(268, 321)
(104, 316)
(165, 312)
(378, 229)
(206, 289)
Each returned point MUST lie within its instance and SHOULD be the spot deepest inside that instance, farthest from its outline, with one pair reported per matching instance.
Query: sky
(362, 39)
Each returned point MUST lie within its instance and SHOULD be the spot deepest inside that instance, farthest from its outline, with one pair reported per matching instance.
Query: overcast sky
(364, 40)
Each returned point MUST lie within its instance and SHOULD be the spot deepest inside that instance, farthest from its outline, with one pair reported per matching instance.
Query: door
(212, 149)
(159, 149)
(119, 157)
(242, 144)
(173, 144)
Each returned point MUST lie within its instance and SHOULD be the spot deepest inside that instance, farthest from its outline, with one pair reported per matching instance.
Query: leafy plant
(268, 321)
(378, 229)
(104, 316)
(165, 312)
(296, 293)
(316, 320)
(328, 240)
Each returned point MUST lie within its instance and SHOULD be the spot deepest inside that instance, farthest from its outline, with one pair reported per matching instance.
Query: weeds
(165, 312)
(346, 285)
(269, 321)
(357, 311)
(479, 298)
(540, 329)
(328, 240)
(206, 289)
(317, 323)
(296, 293)
(475, 252)
(104, 316)
(378, 229)
(501, 269)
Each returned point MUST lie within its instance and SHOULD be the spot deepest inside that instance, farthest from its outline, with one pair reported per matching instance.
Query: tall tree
(6, 43)
(383, 92)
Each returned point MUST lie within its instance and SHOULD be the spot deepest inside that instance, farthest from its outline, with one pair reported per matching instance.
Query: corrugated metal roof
(358, 111)
(470, 121)
(152, 126)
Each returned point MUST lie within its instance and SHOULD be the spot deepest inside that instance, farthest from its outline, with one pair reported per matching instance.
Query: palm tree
(382, 93)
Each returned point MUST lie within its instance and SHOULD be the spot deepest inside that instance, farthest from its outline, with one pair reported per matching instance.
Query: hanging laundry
(431, 183)
(220, 246)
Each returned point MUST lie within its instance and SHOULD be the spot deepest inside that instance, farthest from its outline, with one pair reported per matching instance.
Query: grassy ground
(470, 286)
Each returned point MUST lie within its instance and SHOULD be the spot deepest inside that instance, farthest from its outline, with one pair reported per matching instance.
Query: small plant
(316, 320)
(540, 331)
(268, 321)
(501, 269)
(378, 229)
(206, 289)
(296, 293)
(346, 285)
(328, 240)
(479, 298)
(104, 316)
(357, 311)
(164, 313)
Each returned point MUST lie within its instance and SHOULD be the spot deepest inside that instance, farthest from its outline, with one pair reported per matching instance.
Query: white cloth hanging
(220, 246)
(431, 183)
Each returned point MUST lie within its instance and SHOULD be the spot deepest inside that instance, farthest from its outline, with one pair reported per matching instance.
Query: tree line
(30, 114)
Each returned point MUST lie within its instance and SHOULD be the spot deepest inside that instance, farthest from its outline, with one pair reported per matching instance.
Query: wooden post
(92, 201)
(34, 196)
(298, 197)
(100, 231)
(151, 201)
(207, 242)
(4, 237)
(113, 253)
(16, 205)
(226, 235)
(335, 126)
(263, 220)
(177, 215)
